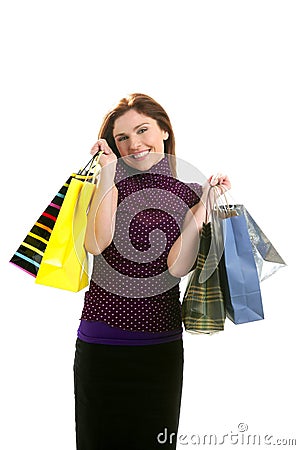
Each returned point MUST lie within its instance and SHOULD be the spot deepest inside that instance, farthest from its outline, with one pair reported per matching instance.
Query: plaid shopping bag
(203, 305)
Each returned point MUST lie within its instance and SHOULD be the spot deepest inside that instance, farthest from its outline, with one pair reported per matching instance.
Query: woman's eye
(122, 138)
(142, 130)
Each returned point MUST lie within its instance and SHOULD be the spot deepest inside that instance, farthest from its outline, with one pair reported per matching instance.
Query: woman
(143, 228)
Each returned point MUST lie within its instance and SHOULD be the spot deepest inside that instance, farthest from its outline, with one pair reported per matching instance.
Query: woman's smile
(141, 155)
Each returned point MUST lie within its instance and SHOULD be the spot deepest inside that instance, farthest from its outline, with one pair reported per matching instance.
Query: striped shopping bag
(29, 255)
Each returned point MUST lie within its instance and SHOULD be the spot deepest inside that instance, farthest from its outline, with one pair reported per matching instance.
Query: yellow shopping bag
(65, 264)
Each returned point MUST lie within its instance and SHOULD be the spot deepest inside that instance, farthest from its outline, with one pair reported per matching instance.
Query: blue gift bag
(238, 272)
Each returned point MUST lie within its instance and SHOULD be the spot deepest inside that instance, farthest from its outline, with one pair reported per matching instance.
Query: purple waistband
(101, 333)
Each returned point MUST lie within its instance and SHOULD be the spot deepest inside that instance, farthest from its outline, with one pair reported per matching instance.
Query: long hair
(146, 105)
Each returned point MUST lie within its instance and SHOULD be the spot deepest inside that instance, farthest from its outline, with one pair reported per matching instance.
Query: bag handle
(228, 211)
(96, 160)
(217, 238)
(87, 176)
(211, 203)
(90, 163)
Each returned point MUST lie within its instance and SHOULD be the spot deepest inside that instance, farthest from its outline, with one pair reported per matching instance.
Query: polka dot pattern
(143, 314)
(131, 287)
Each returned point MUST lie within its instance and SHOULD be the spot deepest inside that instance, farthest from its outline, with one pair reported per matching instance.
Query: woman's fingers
(221, 181)
(217, 179)
(107, 157)
(101, 144)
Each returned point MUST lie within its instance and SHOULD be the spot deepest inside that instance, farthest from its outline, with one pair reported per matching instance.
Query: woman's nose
(135, 143)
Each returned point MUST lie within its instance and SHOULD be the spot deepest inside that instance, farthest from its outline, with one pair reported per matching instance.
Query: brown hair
(146, 105)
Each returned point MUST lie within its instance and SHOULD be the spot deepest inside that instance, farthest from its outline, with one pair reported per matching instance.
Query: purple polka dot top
(131, 288)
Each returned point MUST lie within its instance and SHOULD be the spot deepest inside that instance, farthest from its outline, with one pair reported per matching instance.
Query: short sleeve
(196, 190)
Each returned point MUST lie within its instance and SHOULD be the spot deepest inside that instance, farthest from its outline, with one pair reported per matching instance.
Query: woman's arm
(184, 251)
(102, 212)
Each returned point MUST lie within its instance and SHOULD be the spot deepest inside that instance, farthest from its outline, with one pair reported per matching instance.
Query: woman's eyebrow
(135, 128)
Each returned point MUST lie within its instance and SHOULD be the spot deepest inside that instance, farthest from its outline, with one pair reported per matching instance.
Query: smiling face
(139, 139)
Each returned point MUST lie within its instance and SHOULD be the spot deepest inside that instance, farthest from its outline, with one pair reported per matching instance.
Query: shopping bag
(203, 304)
(267, 258)
(29, 254)
(238, 272)
(64, 264)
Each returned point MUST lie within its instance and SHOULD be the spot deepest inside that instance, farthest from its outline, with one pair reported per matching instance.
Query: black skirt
(127, 397)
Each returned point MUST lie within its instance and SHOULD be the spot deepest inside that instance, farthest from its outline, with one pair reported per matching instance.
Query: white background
(228, 74)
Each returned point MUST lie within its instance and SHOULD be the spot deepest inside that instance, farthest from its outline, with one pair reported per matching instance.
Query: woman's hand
(220, 181)
(107, 156)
